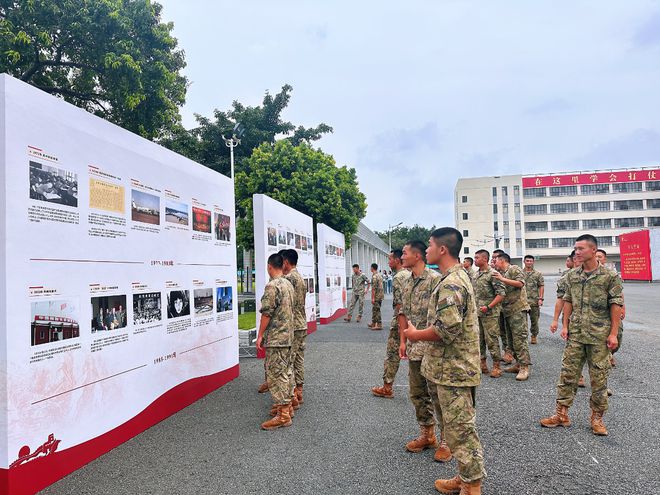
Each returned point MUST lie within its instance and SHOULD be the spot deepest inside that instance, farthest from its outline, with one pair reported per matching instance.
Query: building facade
(541, 215)
(366, 248)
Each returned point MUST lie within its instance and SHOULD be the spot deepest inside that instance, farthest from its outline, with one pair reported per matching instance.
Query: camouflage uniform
(533, 283)
(277, 302)
(392, 359)
(514, 307)
(299, 327)
(379, 295)
(505, 334)
(416, 297)
(358, 282)
(591, 296)
(486, 288)
(452, 365)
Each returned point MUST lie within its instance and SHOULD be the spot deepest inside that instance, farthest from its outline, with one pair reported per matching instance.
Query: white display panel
(332, 273)
(654, 237)
(278, 226)
(119, 271)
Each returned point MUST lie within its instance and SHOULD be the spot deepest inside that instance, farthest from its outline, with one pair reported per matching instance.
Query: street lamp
(389, 232)
(232, 142)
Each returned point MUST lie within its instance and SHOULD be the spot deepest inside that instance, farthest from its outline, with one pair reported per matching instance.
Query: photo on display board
(203, 301)
(309, 244)
(201, 220)
(303, 243)
(108, 313)
(53, 185)
(176, 212)
(310, 285)
(338, 281)
(328, 283)
(221, 227)
(147, 308)
(145, 207)
(178, 303)
(290, 239)
(281, 237)
(225, 301)
(272, 236)
(54, 321)
(298, 241)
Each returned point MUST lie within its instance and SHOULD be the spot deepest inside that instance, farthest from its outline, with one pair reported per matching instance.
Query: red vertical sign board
(635, 248)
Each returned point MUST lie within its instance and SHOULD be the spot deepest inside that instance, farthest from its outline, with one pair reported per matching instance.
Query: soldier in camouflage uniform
(601, 256)
(592, 313)
(489, 293)
(452, 361)
(561, 290)
(359, 281)
(276, 336)
(299, 324)
(514, 307)
(377, 296)
(535, 287)
(392, 359)
(468, 265)
(505, 336)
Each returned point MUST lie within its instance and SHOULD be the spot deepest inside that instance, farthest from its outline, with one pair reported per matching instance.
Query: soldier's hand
(259, 341)
(484, 309)
(564, 333)
(612, 342)
(497, 275)
(540, 302)
(409, 332)
(402, 351)
(554, 325)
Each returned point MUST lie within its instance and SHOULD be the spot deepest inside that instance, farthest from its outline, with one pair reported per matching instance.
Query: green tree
(403, 234)
(114, 58)
(303, 178)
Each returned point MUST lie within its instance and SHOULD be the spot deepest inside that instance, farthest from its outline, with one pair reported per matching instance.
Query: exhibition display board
(276, 227)
(640, 255)
(332, 273)
(118, 262)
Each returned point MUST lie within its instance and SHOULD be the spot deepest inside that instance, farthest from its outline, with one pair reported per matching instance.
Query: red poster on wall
(635, 255)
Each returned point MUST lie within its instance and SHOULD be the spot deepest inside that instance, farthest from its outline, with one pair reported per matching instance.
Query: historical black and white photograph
(178, 303)
(147, 308)
(203, 301)
(108, 313)
(53, 185)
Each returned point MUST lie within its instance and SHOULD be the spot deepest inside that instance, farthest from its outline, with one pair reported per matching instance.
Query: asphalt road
(344, 440)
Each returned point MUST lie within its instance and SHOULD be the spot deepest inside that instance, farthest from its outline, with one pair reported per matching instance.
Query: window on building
(517, 224)
(465, 216)
(536, 226)
(566, 225)
(465, 233)
(536, 243)
(653, 185)
(496, 226)
(495, 209)
(466, 250)
(595, 189)
(505, 225)
(563, 242)
(536, 209)
(505, 209)
(627, 187)
(596, 206)
(494, 192)
(534, 192)
(505, 191)
(516, 189)
(598, 223)
(518, 245)
(507, 243)
(654, 221)
(630, 204)
(563, 191)
(604, 241)
(624, 223)
(464, 199)
(564, 208)
(653, 203)
(516, 207)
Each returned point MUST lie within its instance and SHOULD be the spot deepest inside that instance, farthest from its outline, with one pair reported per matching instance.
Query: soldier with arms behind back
(535, 287)
(359, 282)
(377, 296)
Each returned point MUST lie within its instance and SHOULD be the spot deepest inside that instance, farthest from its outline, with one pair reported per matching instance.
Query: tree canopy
(403, 234)
(114, 58)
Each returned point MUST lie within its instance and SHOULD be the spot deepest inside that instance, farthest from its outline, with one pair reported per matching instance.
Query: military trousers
(376, 318)
(392, 359)
(419, 394)
(597, 357)
(505, 335)
(517, 326)
(460, 430)
(534, 314)
(278, 374)
(359, 300)
(298, 357)
(489, 333)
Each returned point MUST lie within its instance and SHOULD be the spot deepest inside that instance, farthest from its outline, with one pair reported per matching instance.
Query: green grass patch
(247, 321)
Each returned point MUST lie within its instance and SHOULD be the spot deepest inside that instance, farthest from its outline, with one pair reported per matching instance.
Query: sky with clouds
(420, 93)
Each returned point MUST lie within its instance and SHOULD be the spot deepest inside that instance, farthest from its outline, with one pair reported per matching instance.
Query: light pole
(232, 142)
(389, 232)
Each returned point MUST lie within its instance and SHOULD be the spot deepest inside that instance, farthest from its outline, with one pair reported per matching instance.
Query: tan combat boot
(263, 388)
(496, 372)
(597, 425)
(358, 319)
(484, 366)
(274, 409)
(581, 383)
(282, 418)
(371, 325)
(473, 488)
(384, 391)
(452, 486)
(425, 440)
(560, 418)
(533, 340)
(299, 394)
(294, 402)
(442, 453)
(523, 374)
(508, 357)
(347, 319)
(512, 369)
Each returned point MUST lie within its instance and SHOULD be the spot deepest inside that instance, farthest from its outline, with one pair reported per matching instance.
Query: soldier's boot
(452, 486)
(508, 357)
(560, 418)
(384, 391)
(371, 325)
(358, 319)
(425, 440)
(347, 319)
(523, 374)
(263, 388)
(473, 488)
(496, 372)
(533, 340)
(442, 453)
(294, 402)
(299, 394)
(597, 425)
(282, 418)
(274, 409)
(581, 383)
(609, 392)
(512, 369)
(613, 361)
(484, 366)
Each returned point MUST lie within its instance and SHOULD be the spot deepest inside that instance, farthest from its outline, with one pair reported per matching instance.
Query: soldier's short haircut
(397, 253)
(374, 266)
(417, 246)
(482, 251)
(589, 238)
(276, 261)
(529, 257)
(599, 250)
(290, 255)
(497, 252)
(572, 255)
(505, 257)
(468, 258)
(356, 265)
(450, 238)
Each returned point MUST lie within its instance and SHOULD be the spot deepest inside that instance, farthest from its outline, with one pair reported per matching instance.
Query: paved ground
(345, 441)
